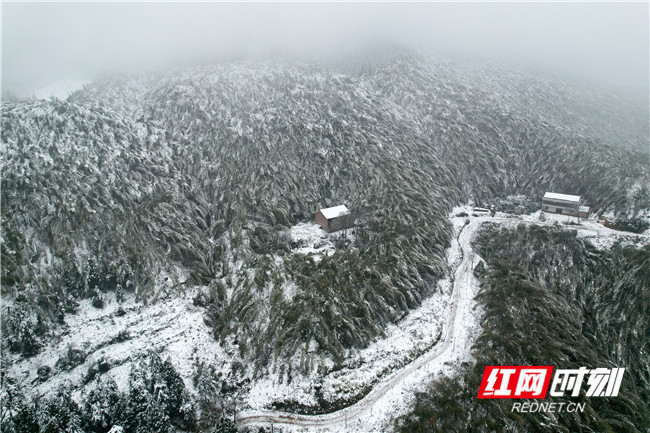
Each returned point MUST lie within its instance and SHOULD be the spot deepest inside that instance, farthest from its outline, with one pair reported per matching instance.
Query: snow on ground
(603, 238)
(60, 89)
(394, 394)
(428, 343)
(404, 341)
(310, 239)
(589, 229)
(172, 327)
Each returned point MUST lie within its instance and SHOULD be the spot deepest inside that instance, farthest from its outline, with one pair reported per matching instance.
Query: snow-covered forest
(568, 303)
(138, 190)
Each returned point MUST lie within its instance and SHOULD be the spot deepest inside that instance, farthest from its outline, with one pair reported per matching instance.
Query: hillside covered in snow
(191, 194)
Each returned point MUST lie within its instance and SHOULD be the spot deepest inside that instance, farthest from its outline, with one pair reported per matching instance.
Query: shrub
(634, 225)
(72, 358)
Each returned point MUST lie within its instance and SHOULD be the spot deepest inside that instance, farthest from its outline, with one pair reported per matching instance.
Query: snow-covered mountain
(193, 184)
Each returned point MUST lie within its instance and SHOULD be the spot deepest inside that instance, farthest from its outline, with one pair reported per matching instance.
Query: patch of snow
(589, 229)
(174, 328)
(310, 239)
(60, 89)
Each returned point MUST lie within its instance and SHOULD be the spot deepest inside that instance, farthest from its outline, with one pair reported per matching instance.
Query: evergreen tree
(60, 414)
(18, 330)
(138, 398)
(153, 419)
(175, 399)
(209, 400)
(225, 425)
(25, 421)
(104, 406)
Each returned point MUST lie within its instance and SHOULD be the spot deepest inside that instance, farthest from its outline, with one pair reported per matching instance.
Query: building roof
(336, 211)
(565, 197)
(584, 209)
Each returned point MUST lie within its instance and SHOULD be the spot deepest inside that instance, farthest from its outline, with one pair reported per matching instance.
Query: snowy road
(376, 409)
(391, 396)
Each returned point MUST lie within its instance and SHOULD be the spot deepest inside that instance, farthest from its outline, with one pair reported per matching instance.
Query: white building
(564, 204)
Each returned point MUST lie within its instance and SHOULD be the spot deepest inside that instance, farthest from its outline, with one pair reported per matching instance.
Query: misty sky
(47, 42)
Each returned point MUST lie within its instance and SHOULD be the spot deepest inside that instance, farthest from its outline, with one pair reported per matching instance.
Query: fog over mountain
(44, 43)
(161, 269)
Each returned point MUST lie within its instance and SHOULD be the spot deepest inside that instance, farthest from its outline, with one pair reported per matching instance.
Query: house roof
(583, 209)
(336, 211)
(565, 197)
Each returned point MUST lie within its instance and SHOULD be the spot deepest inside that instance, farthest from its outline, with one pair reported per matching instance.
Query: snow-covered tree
(104, 406)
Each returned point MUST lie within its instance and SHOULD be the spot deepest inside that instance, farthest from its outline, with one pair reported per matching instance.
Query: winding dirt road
(456, 335)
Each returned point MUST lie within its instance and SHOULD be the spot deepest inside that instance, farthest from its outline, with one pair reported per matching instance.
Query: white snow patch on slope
(589, 229)
(311, 239)
(60, 89)
(173, 327)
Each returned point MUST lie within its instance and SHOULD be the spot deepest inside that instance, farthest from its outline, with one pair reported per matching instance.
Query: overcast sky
(46, 42)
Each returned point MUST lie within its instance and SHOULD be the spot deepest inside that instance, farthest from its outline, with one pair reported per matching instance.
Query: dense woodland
(566, 304)
(156, 402)
(197, 175)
